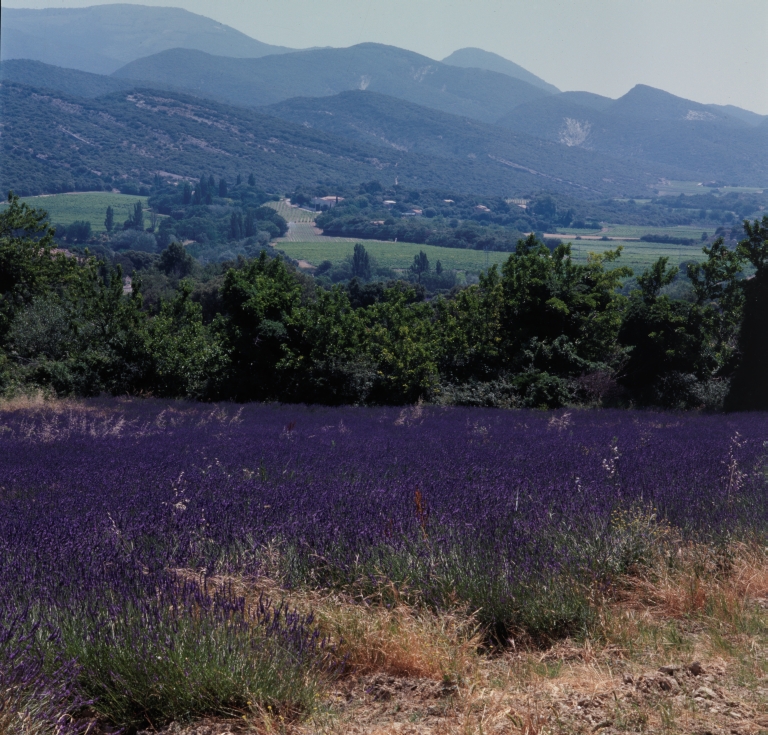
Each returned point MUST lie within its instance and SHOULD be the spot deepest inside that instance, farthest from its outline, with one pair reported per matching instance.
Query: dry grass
(401, 640)
(682, 648)
(702, 582)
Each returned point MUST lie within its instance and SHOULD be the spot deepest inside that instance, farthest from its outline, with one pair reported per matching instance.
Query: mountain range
(476, 93)
(57, 142)
(103, 38)
(475, 115)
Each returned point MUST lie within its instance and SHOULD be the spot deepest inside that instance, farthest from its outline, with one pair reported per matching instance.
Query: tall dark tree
(251, 180)
(361, 263)
(250, 224)
(420, 264)
(135, 221)
(749, 386)
(175, 260)
(186, 193)
(236, 225)
(239, 179)
(109, 220)
(222, 187)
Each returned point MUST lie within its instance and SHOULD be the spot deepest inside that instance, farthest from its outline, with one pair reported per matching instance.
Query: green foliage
(199, 663)
(361, 263)
(420, 264)
(176, 260)
(183, 354)
(749, 388)
(136, 220)
(28, 268)
(542, 331)
(109, 220)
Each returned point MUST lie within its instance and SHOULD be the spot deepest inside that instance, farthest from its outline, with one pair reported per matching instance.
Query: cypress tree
(749, 385)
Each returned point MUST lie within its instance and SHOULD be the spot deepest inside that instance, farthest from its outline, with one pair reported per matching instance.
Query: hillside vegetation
(54, 142)
(647, 125)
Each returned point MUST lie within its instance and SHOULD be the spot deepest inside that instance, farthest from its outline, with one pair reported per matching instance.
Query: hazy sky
(705, 50)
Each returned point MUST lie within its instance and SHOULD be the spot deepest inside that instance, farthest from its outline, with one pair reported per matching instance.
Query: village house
(326, 202)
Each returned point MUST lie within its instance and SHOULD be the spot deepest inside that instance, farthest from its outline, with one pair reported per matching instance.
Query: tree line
(541, 330)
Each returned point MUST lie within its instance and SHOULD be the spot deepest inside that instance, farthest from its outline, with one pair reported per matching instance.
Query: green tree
(183, 354)
(28, 267)
(79, 231)
(420, 264)
(251, 180)
(186, 194)
(175, 260)
(109, 221)
(749, 387)
(361, 263)
(222, 187)
(260, 299)
(558, 320)
(667, 340)
(236, 226)
(135, 221)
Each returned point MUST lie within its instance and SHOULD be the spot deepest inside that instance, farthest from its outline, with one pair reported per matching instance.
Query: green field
(396, 255)
(292, 214)
(689, 231)
(637, 255)
(65, 209)
(674, 188)
(399, 255)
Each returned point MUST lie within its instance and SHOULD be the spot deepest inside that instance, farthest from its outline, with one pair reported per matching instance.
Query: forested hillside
(59, 143)
(649, 125)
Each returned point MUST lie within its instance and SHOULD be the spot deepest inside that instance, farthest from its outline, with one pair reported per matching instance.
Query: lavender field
(114, 514)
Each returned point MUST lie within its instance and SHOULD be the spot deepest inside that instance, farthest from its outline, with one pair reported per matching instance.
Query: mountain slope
(652, 126)
(55, 78)
(56, 142)
(476, 93)
(403, 126)
(588, 99)
(747, 116)
(102, 38)
(648, 103)
(479, 59)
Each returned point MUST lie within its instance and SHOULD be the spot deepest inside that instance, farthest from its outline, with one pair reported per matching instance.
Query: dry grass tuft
(401, 640)
(701, 582)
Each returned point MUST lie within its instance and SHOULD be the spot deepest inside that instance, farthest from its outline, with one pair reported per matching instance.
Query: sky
(710, 51)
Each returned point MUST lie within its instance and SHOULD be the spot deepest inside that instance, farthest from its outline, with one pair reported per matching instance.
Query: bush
(180, 651)
(134, 240)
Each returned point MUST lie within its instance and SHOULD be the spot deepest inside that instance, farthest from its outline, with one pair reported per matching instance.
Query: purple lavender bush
(37, 697)
(513, 514)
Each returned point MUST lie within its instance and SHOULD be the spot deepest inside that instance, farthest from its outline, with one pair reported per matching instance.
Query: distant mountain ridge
(648, 124)
(649, 128)
(68, 81)
(475, 93)
(479, 59)
(103, 38)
